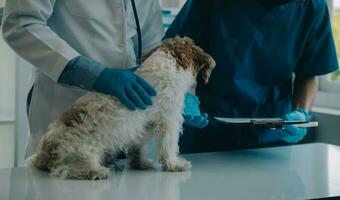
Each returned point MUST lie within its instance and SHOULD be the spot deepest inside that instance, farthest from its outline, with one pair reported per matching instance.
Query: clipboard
(271, 122)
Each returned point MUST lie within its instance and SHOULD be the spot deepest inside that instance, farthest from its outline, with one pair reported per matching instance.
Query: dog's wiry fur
(77, 144)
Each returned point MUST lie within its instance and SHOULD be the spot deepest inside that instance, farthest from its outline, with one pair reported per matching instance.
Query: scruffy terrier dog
(77, 145)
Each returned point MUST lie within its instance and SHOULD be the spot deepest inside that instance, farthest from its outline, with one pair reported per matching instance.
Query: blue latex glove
(130, 89)
(292, 134)
(192, 113)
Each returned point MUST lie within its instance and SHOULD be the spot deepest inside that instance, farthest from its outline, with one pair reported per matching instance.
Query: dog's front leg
(168, 135)
(137, 155)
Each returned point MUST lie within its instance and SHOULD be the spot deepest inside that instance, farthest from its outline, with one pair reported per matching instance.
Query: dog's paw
(144, 164)
(82, 173)
(98, 174)
(177, 166)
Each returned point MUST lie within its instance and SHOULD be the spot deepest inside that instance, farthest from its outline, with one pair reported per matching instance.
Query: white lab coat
(49, 33)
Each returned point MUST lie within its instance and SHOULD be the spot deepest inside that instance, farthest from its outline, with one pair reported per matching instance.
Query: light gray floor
(296, 172)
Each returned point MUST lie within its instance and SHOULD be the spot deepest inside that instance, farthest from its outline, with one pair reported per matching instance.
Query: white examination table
(292, 172)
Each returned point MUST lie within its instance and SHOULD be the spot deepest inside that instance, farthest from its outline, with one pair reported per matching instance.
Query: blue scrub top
(259, 49)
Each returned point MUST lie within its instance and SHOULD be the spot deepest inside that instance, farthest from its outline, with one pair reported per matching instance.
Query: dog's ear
(189, 56)
(205, 64)
(182, 52)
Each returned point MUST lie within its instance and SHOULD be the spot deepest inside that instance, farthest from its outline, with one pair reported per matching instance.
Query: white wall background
(337, 4)
(7, 87)
(7, 104)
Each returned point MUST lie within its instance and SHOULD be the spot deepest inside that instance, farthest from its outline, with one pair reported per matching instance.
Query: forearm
(305, 90)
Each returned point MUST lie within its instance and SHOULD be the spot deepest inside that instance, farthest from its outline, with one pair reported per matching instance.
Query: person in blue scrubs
(269, 54)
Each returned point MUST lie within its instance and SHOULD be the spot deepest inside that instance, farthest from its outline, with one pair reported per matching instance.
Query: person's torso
(103, 29)
(257, 51)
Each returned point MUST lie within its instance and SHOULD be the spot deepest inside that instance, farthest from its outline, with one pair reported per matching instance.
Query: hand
(292, 134)
(192, 113)
(132, 90)
(196, 121)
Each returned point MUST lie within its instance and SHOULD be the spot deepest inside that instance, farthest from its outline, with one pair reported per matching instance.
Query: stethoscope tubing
(139, 32)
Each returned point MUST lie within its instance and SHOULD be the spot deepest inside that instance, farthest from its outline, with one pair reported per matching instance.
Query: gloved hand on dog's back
(192, 114)
(132, 90)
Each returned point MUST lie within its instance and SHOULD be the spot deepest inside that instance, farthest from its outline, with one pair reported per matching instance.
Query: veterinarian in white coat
(51, 33)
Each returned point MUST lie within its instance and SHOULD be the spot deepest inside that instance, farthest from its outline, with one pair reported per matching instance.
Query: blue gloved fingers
(147, 87)
(142, 94)
(127, 102)
(135, 99)
(203, 123)
(291, 130)
(201, 120)
(292, 134)
(299, 114)
(292, 139)
(188, 118)
(197, 121)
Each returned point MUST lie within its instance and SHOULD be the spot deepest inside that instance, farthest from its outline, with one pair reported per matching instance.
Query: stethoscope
(139, 32)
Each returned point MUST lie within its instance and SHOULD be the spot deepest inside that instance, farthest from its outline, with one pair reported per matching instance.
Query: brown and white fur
(77, 144)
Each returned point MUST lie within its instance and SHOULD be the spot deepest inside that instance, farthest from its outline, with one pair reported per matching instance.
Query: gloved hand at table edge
(132, 90)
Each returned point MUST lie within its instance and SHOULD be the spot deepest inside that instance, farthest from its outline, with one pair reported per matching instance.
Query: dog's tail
(30, 161)
(44, 156)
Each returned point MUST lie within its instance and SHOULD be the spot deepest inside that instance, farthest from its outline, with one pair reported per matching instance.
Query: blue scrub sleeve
(319, 55)
(80, 73)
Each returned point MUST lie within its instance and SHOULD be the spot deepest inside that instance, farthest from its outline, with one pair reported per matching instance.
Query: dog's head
(189, 56)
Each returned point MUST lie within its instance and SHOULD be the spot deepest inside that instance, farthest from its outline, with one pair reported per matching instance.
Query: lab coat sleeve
(152, 29)
(319, 54)
(25, 29)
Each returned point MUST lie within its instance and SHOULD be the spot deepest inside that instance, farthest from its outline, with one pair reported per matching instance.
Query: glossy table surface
(292, 172)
